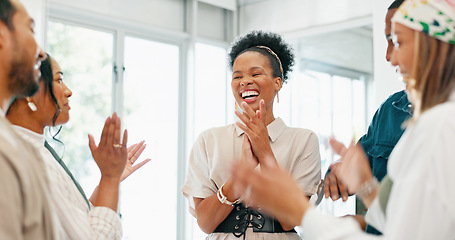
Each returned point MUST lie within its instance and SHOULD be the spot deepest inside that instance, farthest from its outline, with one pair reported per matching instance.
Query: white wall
(285, 16)
(167, 14)
(36, 10)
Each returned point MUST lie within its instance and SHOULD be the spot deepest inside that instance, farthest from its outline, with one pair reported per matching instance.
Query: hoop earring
(277, 98)
(31, 105)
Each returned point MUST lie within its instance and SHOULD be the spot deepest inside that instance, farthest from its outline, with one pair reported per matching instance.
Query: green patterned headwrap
(435, 18)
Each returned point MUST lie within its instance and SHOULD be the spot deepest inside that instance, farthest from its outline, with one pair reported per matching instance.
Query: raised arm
(210, 212)
(255, 128)
(110, 156)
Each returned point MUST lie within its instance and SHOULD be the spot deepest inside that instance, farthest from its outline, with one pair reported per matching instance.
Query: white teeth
(249, 94)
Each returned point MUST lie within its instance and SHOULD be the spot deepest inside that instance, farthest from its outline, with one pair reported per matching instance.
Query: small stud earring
(31, 105)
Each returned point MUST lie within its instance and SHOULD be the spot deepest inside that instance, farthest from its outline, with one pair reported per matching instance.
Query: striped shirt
(77, 220)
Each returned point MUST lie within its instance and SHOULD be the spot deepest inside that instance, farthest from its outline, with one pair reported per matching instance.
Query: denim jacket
(384, 132)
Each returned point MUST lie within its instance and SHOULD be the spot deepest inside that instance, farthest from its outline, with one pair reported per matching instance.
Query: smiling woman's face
(252, 80)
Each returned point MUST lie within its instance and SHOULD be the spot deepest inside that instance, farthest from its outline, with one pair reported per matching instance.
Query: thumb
(91, 143)
(338, 147)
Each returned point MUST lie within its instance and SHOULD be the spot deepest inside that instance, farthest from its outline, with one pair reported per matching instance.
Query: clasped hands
(347, 175)
(256, 145)
(273, 189)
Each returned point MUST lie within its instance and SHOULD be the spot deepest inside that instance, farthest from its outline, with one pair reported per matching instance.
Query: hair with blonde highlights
(433, 70)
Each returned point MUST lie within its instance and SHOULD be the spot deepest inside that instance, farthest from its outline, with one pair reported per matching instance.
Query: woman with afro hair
(260, 63)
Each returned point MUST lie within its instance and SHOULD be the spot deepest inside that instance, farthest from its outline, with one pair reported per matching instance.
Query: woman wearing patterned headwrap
(260, 64)
(420, 167)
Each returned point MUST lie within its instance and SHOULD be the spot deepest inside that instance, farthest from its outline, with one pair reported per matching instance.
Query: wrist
(223, 196)
(107, 179)
(264, 153)
(298, 213)
(367, 191)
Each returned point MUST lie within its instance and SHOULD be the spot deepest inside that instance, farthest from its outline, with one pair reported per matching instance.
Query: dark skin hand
(333, 186)
(255, 128)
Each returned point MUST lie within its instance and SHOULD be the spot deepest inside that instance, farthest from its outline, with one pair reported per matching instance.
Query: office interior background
(162, 65)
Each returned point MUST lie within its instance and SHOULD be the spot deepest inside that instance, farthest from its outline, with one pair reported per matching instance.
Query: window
(151, 85)
(330, 105)
(328, 92)
(150, 90)
(89, 76)
(209, 100)
(145, 90)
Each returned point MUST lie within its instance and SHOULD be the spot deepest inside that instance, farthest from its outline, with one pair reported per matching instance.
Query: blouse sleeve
(317, 226)
(421, 201)
(307, 170)
(198, 181)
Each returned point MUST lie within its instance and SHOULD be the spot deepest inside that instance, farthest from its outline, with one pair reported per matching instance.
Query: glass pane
(89, 76)
(359, 108)
(151, 84)
(342, 109)
(210, 108)
(329, 105)
(209, 88)
(305, 104)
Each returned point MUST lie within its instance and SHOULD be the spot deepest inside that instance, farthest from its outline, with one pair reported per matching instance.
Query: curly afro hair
(271, 40)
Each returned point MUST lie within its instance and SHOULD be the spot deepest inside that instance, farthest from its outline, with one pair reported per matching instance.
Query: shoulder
(217, 134)
(300, 132)
(393, 111)
(300, 136)
(395, 97)
(217, 131)
(434, 129)
(440, 118)
(427, 145)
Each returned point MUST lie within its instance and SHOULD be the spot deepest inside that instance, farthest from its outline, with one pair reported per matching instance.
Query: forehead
(55, 66)
(388, 19)
(400, 29)
(251, 58)
(21, 13)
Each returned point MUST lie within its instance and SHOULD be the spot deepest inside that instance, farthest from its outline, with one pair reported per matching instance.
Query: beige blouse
(214, 151)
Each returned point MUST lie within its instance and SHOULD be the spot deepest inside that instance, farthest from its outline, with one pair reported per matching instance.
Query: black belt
(241, 218)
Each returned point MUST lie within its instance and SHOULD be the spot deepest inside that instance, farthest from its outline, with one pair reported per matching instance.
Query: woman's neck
(27, 122)
(269, 117)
